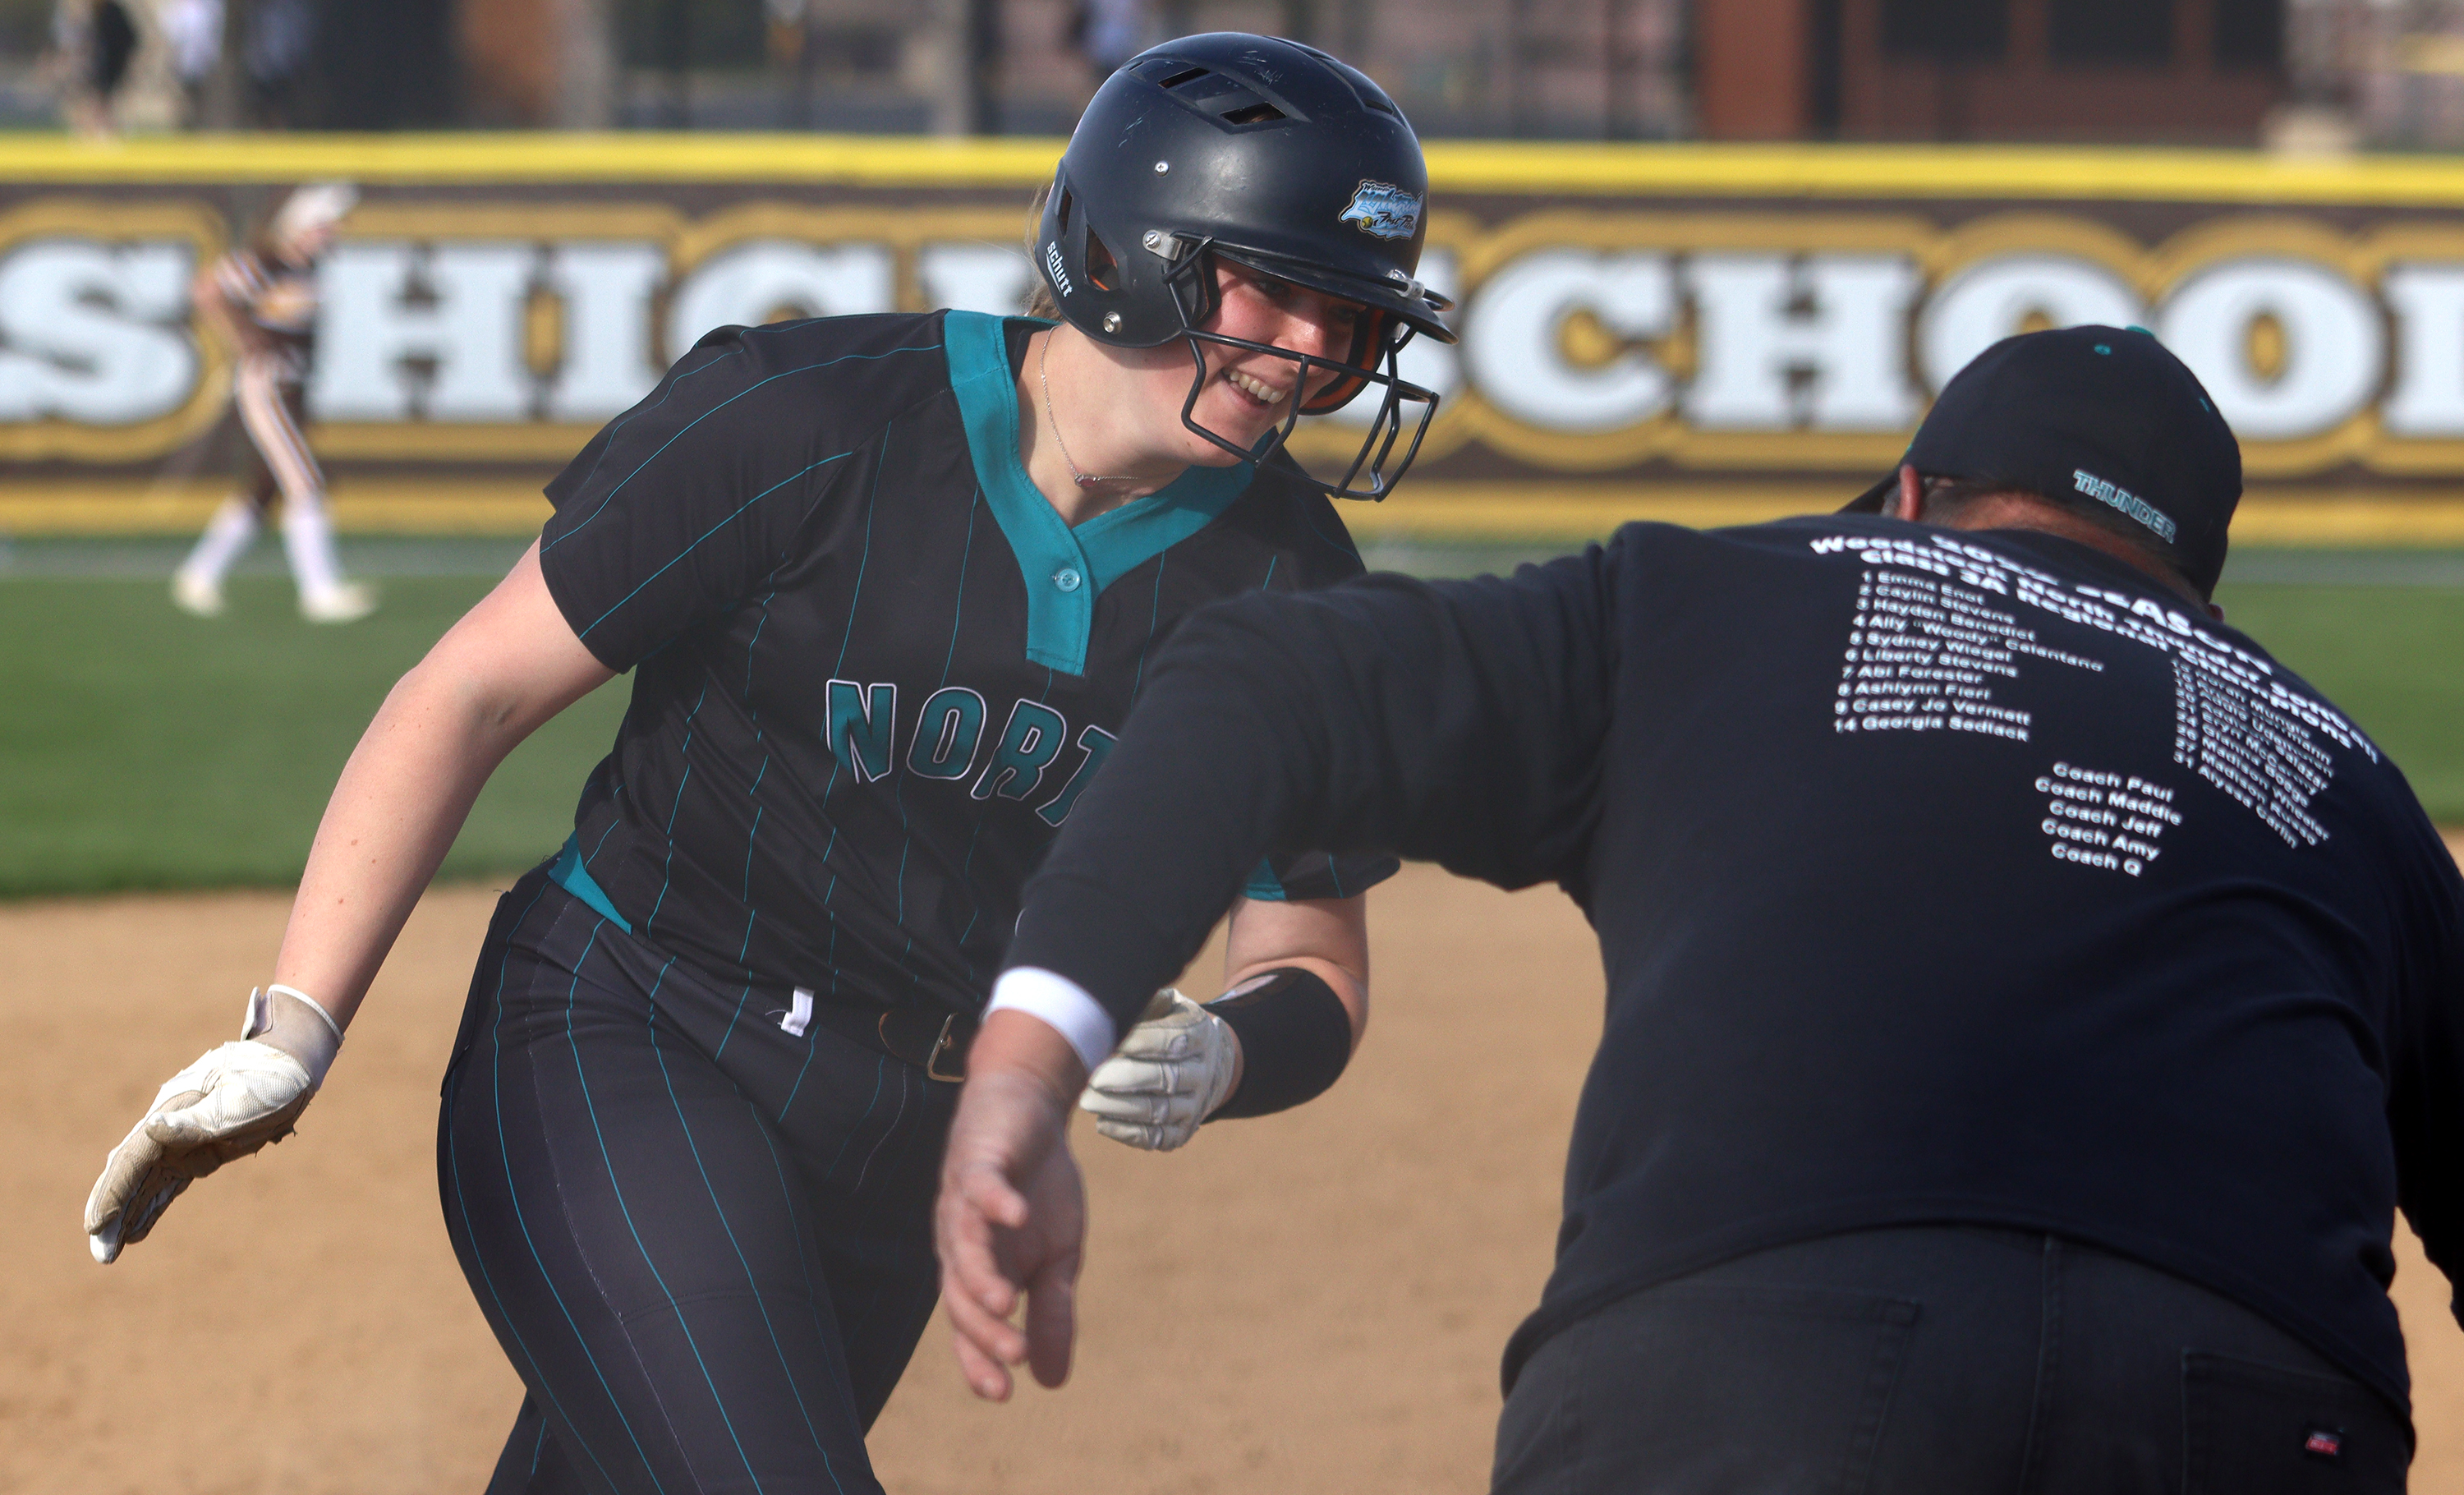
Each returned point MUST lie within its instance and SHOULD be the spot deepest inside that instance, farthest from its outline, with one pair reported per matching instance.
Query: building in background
(2155, 71)
(1550, 69)
(2207, 72)
(2298, 73)
(538, 63)
(243, 64)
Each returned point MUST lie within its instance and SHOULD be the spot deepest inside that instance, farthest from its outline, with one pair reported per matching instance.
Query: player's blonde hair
(1038, 300)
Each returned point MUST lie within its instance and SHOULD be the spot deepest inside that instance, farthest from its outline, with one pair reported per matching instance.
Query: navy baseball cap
(2089, 414)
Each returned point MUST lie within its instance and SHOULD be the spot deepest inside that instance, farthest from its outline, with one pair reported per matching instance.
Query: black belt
(932, 1041)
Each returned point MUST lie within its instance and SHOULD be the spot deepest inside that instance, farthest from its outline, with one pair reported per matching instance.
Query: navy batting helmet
(1278, 158)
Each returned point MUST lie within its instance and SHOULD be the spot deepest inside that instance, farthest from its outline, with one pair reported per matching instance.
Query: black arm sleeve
(1457, 722)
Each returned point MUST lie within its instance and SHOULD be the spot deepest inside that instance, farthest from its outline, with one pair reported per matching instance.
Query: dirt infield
(1313, 1302)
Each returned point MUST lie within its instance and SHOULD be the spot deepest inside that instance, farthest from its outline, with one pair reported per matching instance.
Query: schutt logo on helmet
(1384, 209)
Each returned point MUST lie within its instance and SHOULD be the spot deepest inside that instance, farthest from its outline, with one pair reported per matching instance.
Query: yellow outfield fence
(1697, 333)
(1510, 167)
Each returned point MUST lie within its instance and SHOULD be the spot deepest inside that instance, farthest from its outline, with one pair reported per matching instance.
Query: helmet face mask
(1377, 338)
(1250, 151)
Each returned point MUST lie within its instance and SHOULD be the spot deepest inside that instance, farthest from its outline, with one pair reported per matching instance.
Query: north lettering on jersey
(1028, 745)
(945, 739)
(861, 721)
(947, 731)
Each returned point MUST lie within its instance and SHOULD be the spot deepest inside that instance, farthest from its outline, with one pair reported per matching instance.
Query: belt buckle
(942, 1045)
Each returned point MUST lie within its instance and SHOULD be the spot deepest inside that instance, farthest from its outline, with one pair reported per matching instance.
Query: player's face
(1248, 393)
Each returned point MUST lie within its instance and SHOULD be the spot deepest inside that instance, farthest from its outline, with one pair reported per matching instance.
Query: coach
(2028, 1003)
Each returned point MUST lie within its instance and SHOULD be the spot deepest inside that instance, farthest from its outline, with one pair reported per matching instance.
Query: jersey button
(1067, 578)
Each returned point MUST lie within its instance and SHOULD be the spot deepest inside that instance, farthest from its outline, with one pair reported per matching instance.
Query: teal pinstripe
(761, 1303)
(497, 1076)
(619, 485)
(738, 513)
(625, 1206)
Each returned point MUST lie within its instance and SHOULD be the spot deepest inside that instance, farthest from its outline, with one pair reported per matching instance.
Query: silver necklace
(1084, 483)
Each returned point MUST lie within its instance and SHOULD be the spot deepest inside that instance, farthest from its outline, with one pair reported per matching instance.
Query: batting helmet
(1273, 156)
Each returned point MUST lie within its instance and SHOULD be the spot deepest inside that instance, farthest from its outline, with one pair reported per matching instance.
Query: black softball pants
(704, 1242)
(1939, 1361)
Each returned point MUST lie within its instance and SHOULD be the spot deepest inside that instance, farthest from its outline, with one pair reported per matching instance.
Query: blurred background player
(264, 298)
(94, 41)
(887, 586)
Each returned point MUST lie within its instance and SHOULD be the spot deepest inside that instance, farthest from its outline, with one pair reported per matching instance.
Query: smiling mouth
(1257, 391)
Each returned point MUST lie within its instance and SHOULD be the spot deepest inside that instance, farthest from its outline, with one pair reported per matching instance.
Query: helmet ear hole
(1062, 219)
(1101, 268)
(1372, 336)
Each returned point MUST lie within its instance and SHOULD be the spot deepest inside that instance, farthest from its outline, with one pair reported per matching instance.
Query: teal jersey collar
(1065, 569)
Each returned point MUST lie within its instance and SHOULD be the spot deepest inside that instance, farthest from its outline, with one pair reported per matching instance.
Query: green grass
(2390, 657)
(145, 749)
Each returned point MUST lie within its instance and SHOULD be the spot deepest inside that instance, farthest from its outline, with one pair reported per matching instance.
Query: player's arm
(1328, 938)
(509, 665)
(1461, 723)
(213, 304)
(1295, 994)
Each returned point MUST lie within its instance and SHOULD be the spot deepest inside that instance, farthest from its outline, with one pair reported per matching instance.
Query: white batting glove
(1171, 1072)
(235, 1099)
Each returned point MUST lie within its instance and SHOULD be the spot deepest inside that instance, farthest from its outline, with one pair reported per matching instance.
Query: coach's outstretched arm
(509, 665)
(1455, 722)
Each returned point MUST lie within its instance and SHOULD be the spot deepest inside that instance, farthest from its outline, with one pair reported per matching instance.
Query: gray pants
(1939, 1361)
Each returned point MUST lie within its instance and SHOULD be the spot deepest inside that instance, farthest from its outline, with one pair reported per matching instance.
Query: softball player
(887, 585)
(265, 297)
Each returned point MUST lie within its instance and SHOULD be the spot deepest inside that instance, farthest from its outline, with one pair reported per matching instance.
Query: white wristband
(1060, 1004)
(313, 1006)
(314, 1044)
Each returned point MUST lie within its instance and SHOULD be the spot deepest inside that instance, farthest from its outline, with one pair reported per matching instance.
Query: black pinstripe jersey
(874, 670)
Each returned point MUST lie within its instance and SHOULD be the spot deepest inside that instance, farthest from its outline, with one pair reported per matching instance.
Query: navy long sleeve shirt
(1939, 877)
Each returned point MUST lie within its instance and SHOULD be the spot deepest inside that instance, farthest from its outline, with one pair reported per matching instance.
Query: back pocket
(1717, 1387)
(2252, 1429)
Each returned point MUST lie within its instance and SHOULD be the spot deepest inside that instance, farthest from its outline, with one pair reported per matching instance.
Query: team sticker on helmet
(1384, 209)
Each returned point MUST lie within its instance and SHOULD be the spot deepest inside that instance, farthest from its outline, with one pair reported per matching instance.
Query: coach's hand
(227, 1105)
(1169, 1074)
(1012, 1215)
